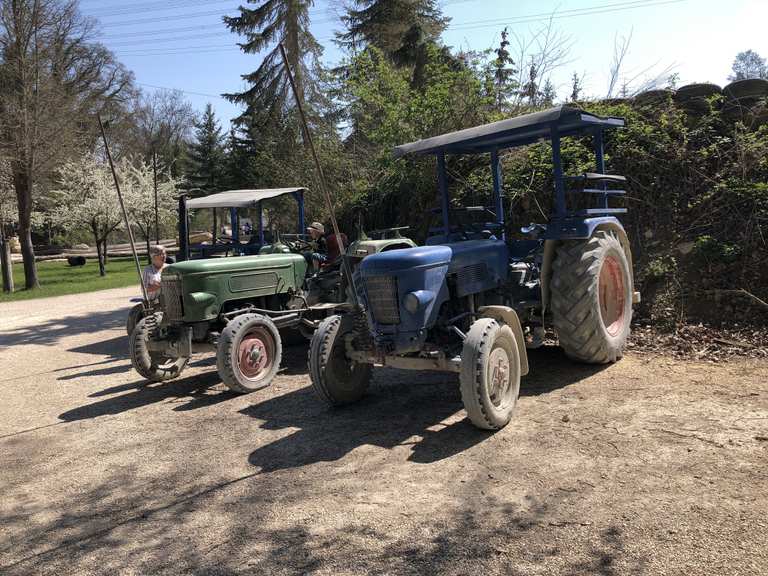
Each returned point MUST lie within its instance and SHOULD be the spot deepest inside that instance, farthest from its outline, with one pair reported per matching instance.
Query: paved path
(649, 466)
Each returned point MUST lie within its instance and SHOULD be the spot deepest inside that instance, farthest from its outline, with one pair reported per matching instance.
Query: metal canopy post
(183, 229)
(300, 201)
(235, 225)
(498, 200)
(442, 184)
(260, 216)
(600, 162)
(557, 170)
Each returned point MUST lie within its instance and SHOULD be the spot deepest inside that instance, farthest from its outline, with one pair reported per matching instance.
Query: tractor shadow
(409, 409)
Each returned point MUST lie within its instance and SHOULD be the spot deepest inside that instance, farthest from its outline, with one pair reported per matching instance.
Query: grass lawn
(59, 278)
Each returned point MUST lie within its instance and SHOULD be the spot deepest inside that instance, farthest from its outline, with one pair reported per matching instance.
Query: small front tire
(335, 378)
(249, 353)
(154, 366)
(136, 313)
(490, 374)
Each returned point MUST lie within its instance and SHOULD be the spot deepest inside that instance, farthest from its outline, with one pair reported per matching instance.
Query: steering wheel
(297, 245)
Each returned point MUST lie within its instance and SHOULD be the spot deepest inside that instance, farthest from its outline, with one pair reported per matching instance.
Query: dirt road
(649, 466)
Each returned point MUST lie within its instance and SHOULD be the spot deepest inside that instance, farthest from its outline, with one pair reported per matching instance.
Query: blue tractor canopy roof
(518, 131)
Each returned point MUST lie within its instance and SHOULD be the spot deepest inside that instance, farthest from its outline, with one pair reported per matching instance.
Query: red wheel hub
(256, 353)
(612, 296)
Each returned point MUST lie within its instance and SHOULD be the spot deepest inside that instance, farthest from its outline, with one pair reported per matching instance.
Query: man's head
(157, 252)
(316, 229)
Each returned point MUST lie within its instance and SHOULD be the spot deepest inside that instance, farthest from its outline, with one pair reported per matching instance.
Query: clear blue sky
(184, 44)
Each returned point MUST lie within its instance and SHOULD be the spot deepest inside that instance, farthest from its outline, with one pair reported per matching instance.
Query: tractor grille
(170, 291)
(382, 298)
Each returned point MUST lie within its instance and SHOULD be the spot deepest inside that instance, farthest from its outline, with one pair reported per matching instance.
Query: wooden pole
(321, 176)
(125, 214)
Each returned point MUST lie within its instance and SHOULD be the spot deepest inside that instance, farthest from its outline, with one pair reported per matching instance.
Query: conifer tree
(206, 155)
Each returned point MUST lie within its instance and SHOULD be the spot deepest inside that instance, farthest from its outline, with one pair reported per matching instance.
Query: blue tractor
(472, 301)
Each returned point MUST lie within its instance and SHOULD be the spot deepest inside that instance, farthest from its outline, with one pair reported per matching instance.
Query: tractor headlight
(415, 301)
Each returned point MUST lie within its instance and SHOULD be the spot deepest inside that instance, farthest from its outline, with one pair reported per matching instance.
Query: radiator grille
(171, 295)
(382, 298)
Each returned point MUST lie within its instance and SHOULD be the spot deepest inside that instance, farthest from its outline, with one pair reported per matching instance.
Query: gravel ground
(649, 466)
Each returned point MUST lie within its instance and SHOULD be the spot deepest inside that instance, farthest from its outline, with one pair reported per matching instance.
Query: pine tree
(206, 155)
(504, 73)
(398, 27)
(267, 25)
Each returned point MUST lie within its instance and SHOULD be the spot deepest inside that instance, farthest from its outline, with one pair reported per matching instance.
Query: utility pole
(154, 178)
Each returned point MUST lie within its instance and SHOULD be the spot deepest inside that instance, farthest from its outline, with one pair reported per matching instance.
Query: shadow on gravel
(400, 405)
(145, 393)
(49, 333)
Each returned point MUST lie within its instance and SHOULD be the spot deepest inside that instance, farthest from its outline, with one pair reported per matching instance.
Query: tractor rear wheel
(335, 378)
(490, 374)
(249, 353)
(152, 365)
(592, 298)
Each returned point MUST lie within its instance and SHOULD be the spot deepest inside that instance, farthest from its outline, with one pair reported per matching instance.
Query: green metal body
(205, 286)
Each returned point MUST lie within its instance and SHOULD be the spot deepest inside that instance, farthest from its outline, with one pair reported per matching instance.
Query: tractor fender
(549, 254)
(509, 317)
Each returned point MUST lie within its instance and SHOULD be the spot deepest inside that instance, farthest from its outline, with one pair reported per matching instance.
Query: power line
(180, 90)
(477, 24)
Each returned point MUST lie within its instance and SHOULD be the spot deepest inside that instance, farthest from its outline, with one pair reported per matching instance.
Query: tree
(270, 23)
(206, 154)
(504, 73)
(8, 213)
(748, 64)
(52, 78)
(577, 85)
(137, 186)
(163, 123)
(397, 27)
(86, 198)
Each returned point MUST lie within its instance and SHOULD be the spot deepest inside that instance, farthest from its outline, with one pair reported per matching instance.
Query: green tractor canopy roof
(239, 198)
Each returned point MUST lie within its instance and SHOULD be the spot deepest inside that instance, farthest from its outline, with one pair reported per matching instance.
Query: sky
(183, 44)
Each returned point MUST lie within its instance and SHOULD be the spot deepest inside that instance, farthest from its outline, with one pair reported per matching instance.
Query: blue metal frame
(564, 224)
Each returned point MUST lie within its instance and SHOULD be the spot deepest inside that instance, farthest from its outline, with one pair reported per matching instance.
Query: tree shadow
(51, 331)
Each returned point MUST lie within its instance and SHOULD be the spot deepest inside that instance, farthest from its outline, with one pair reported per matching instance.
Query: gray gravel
(649, 466)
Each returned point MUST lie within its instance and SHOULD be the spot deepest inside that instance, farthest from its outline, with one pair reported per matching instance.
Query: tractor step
(595, 177)
(598, 191)
(600, 211)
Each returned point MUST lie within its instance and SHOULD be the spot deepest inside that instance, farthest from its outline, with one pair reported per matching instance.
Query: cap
(316, 226)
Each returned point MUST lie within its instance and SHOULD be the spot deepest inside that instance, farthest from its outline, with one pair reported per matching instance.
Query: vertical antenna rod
(125, 214)
(321, 177)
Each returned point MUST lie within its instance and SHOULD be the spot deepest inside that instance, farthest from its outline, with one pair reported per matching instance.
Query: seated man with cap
(327, 249)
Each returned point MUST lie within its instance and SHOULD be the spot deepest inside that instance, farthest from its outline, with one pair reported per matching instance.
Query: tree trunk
(104, 251)
(22, 185)
(5, 265)
(99, 250)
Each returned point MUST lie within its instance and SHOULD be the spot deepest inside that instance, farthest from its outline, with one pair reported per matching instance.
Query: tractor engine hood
(405, 259)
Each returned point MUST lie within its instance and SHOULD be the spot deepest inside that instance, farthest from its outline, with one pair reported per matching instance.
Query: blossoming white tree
(137, 185)
(86, 198)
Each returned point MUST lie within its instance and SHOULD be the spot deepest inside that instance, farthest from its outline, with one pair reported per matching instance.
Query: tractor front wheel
(592, 298)
(136, 314)
(150, 364)
(490, 374)
(335, 378)
(249, 353)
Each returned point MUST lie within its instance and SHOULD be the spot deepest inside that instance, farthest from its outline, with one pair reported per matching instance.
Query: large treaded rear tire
(152, 365)
(335, 378)
(592, 314)
(244, 336)
(490, 374)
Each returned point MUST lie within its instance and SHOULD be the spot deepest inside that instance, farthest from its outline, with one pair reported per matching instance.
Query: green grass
(59, 278)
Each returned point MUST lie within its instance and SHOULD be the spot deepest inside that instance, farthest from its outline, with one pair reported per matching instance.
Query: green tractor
(243, 299)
